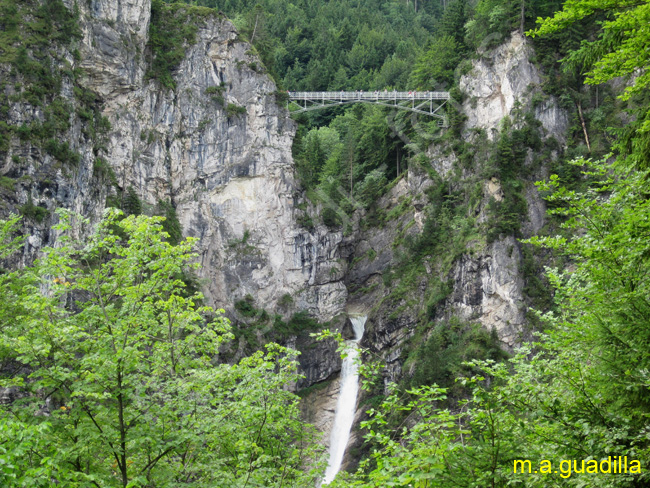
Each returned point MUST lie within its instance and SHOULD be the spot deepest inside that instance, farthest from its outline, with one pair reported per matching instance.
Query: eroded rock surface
(225, 165)
(502, 78)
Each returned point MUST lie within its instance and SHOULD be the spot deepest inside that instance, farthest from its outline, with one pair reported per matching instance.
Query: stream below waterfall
(346, 404)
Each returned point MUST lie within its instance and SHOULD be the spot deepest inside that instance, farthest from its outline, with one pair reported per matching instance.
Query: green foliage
(435, 68)
(212, 90)
(170, 225)
(492, 17)
(442, 226)
(234, 110)
(345, 162)
(341, 45)
(255, 326)
(34, 212)
(441, 359)
(131, 203)
(371, 188)
(30, 24)
(216, 93)
(537, 287)
(203, 124)
(7, 183)
(617, 50)
(62, 152)
(509, 165)
(171, 29)
(102, 169)
(35, 40)
(286, 300)
(120, 378)
(246, 306)
(301, 322)
(281, 97)
(304, 220)
(322, 385)
(506, 216)
(579, 393)
(331, 218)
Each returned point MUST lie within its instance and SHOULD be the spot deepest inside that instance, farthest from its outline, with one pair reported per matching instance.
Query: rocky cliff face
(230, 176)
(503, 79)
(225, 165)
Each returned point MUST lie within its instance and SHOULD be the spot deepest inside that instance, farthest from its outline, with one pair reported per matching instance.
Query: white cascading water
(346, 404)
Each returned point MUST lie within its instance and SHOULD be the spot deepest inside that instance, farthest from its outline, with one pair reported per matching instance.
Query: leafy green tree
(119, 381)
(453, 20)
(371, 187)
(619, 50)
(436, 66)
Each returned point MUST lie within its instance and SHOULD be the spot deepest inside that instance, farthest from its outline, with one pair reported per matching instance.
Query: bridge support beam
(425, 103)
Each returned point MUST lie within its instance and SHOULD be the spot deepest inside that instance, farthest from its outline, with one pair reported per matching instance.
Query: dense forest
(119, 363)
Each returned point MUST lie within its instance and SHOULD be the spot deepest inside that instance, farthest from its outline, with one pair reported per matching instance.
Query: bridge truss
(425, 103)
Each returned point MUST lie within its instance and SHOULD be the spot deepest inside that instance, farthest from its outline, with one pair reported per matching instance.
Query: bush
(34, 212)
(371, 188)
(298, 324)
(246, 306)
(281, 97)
(216, 93)
(439, 359)
(102, 169)
(62, 152)
(171, 225)
(7, 183)
(232, 110)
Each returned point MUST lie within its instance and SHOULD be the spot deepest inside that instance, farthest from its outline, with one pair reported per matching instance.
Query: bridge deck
(422, 102)
(370, 96)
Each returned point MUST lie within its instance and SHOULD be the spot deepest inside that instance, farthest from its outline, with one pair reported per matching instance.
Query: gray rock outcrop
(225, 165)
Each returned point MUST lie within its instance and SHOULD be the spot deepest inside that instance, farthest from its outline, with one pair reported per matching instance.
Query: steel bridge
(422, 102)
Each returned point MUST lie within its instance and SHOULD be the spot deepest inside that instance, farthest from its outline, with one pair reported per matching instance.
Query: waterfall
(347, 402)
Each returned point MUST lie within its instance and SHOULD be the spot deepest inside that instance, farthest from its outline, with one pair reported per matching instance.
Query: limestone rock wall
(502, 78)
(229, 175)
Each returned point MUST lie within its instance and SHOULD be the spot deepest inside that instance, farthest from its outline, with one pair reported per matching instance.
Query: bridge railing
(370, 95)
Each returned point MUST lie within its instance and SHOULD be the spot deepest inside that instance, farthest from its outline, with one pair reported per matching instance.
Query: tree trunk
(584, 126)
(522, 18)
(255, 28)
(398, 162)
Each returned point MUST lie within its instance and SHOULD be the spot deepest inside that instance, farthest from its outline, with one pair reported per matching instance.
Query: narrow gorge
(167, 109)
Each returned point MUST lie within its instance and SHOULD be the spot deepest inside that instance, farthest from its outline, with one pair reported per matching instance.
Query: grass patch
(321, 385)
(7, 183)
